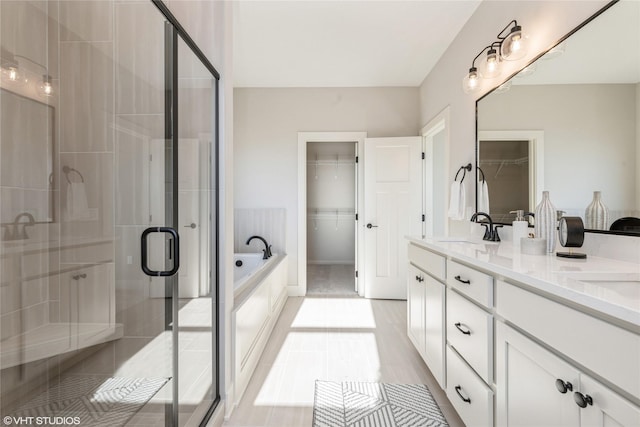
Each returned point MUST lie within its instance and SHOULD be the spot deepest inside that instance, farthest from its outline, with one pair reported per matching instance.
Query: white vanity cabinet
(564, 394)
(524, 345)
(537, 387)
(426, 308)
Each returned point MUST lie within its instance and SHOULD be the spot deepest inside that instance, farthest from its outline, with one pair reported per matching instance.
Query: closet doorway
(331, 218)
(328, 208)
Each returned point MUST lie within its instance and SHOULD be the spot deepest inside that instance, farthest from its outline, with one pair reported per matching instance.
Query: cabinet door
(434, 328)
(526, 377)
(608, 409)
(415, 308)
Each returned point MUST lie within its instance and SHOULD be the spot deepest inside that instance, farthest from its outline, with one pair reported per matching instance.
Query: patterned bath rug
(360, 404)
(91, 401)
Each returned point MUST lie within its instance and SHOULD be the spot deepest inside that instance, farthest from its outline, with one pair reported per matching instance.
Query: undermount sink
(470, 240)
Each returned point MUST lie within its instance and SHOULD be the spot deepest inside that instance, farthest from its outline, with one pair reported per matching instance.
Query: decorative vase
(545, 221)
(596, 215)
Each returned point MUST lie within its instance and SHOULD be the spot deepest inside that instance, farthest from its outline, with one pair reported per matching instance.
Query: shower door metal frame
(173, 30)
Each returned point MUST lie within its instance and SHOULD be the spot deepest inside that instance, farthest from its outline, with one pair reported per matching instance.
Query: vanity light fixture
(13, 75)
(508, 46)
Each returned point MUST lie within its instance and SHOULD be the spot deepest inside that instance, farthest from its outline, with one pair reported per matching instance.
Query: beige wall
(267, 122)
(544, 21)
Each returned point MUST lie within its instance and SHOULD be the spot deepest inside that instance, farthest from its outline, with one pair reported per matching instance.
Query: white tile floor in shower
(336, 339)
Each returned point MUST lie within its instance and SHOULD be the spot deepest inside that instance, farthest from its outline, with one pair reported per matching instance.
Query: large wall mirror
(569, 123)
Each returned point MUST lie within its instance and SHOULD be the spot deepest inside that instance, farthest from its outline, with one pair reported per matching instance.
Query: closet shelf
(331, 162)
(504, 162)
(328, 213)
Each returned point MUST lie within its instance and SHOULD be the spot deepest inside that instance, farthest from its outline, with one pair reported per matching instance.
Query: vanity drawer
(471, 397)
(428, 261)
(478, 286)
(470, 332)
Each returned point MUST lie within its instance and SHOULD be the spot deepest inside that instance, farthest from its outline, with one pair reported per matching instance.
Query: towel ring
(67, 170)
(482, 172)
(465, 169)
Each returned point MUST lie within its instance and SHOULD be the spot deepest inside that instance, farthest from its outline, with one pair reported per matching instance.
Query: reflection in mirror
(570, 123)
(26, 127)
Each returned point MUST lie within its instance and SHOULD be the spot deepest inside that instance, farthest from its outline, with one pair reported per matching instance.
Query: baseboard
(295, 291)
(329, 262)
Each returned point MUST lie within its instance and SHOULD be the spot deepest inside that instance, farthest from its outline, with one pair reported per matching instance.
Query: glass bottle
(596, 215)
(545, 221)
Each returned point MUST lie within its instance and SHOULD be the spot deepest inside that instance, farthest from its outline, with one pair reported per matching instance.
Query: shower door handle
(144, 251)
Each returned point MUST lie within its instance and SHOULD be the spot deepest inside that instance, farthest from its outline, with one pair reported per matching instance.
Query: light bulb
(513, 46)
(12, 75)
(491, 64)
(471, 82)
(45, 88)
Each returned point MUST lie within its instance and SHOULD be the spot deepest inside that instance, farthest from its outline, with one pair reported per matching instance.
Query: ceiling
(341, 43)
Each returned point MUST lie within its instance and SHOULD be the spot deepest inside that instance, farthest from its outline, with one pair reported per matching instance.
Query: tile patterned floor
(333, 339)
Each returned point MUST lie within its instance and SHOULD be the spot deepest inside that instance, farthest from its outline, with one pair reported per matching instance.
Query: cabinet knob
(461, 280)
(563, 386)
(582, 400)
(464, 399)
(459, 327)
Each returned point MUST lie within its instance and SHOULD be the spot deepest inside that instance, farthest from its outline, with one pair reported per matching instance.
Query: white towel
(77, 204)
(457, 200)
(483, 197)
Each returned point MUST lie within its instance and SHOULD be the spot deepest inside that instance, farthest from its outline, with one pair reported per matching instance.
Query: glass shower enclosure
(108, 191)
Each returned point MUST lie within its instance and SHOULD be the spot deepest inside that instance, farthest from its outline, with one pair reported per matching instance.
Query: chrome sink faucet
(267, 247)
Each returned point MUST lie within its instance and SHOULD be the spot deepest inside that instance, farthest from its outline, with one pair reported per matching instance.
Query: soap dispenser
(520, 227)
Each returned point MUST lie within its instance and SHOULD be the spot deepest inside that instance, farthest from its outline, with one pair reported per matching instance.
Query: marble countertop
(607, 286)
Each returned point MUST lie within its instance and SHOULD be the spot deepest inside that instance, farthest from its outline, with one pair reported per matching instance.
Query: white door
(392, 210)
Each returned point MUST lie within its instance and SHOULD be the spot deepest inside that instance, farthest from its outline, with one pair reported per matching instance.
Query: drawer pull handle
(582, 400)
(459, 327)
(79, 276)
(563, 386)
(464, 399)
(461, 280)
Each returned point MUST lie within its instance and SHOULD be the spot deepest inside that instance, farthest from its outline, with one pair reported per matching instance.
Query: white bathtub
(260, 292)
(252, 263)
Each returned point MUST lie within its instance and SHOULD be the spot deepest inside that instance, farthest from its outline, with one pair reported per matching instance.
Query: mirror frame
(540, 55)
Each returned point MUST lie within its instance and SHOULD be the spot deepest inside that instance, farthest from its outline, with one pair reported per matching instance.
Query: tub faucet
(490, 233)
(267, 247)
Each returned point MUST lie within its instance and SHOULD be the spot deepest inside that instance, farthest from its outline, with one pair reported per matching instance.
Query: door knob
(192, 225)
(371, 226)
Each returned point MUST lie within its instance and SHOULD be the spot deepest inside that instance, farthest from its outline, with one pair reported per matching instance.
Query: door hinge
(423, 155)
(356, 273)
(356, 159)
(151, 157)
(423, 218)
(356, 217)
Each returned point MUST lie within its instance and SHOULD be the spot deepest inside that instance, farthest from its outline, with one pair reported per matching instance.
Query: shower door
(185, 245)
(108, 130)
